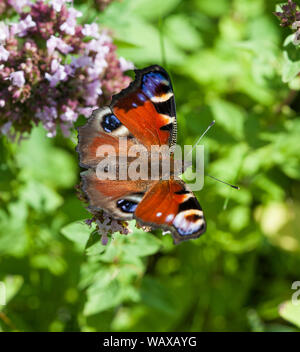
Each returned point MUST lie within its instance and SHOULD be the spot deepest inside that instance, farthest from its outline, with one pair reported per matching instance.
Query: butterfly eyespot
(156, 78)
(155, 84)
(105, 169)
(189, 222)
(127, 206)
(110, 123)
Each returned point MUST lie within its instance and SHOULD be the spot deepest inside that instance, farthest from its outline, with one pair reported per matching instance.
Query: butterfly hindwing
(171, 205)
(117, 197)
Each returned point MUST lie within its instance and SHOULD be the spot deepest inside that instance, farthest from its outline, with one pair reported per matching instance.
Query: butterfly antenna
(203, 134)
(226, 183)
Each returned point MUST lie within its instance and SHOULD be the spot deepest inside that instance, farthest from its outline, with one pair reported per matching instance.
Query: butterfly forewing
(102, 129)
(147, 107)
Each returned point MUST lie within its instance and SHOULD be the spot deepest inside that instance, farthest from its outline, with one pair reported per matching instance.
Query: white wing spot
(170, 217)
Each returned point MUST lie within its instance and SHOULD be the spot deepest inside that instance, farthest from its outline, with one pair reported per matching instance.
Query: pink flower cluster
(52, 68)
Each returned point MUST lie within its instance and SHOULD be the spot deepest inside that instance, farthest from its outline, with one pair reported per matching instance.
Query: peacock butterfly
(143, 114)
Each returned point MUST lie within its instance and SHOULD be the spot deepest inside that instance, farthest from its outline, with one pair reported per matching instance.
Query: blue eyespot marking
(134, 105)
(156, 77)
(189, 232)
(110, 123)
(155, 83)
(127, 206)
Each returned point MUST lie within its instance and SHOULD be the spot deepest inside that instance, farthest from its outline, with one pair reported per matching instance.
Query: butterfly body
(140, 118)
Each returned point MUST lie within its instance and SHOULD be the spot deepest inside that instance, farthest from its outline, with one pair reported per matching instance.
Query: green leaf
(242, 244)
(94, 245)
(289, 40)
(142, 244)
(242, 213)
(13, 232)
(54, 264)
(77, 232)
(153, 9)
(206, 67)
(12, 283)
(290, 312)
(39, 159)
(290, 68)
(278, 7)
(230, 116)
(291, 168)
(147, 43)
(103, 298)
(181, 31)
(41, 197)
(121, 43)
(213, 8)
(156, 296)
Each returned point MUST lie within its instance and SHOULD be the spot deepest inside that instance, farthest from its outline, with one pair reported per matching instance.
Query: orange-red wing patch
(144, 123)
(171, 205)
(147, 107)
(104, 194)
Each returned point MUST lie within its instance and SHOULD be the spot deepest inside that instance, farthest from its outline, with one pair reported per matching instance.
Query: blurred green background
(226, 62)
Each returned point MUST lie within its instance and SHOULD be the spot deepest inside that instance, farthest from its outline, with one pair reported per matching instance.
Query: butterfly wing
(117, 197)
(143, 113)
(147, 107)
(102, 129)
(171, 205)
